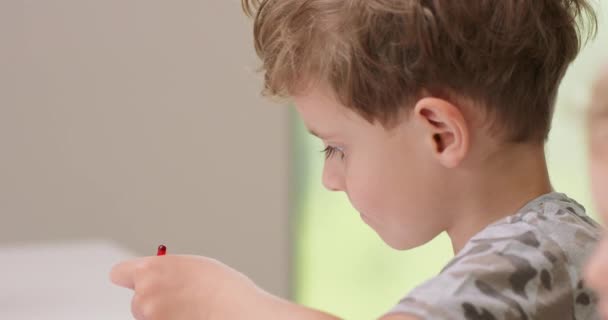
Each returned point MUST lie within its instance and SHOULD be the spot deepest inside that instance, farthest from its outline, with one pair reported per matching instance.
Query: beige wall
(140, 121)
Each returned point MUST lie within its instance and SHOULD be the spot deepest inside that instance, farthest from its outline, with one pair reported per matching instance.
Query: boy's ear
(446, 129)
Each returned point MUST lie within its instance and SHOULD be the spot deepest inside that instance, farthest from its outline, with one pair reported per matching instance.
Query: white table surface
(62, 281)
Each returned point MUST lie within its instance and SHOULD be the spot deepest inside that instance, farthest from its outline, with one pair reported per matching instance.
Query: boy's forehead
(318, 103)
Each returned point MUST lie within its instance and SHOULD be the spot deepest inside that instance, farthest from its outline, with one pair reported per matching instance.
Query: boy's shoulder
(552, 225)
(526, 266)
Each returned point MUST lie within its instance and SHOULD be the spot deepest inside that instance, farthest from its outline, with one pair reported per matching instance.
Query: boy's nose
(332, 179)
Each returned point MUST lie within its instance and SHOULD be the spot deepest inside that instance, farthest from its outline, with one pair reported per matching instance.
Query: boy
(434, 115)
(598, 268)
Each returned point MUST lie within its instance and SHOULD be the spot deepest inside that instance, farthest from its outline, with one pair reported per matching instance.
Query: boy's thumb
(123, 274)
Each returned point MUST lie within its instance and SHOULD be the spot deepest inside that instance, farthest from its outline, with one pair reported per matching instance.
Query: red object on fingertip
(162, 250)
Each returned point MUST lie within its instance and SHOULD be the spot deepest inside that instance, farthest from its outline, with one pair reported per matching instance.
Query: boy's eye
(331, 151)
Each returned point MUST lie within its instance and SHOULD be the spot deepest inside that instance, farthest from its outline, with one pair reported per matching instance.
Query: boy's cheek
(599, 178)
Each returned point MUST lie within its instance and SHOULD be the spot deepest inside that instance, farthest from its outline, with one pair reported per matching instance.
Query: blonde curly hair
(380, 56)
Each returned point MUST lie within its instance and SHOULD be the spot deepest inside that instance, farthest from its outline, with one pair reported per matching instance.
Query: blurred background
(129, 123)
(126, 124)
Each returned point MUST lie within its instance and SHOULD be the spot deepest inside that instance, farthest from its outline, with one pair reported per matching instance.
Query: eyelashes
(331, 151)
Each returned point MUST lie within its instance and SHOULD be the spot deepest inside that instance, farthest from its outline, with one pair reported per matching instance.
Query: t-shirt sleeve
(499, 280)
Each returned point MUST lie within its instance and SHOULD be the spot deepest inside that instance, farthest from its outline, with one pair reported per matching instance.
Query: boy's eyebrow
(319, 135)
(314, 133)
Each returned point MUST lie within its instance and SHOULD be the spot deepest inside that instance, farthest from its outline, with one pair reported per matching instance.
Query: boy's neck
(507, 181)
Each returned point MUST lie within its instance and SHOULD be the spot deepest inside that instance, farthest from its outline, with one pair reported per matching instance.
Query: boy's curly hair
(380, 56)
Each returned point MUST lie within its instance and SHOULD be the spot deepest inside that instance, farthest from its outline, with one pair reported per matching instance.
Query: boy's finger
(123, 274)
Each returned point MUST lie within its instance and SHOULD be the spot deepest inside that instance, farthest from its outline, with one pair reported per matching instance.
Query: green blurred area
(342, 266)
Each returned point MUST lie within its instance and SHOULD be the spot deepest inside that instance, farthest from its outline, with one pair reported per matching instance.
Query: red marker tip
(162, 250)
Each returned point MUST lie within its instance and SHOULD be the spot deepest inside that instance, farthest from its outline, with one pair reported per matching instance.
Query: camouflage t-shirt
(525, 266)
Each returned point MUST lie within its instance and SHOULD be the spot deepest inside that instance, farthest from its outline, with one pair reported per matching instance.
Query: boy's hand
(186, 288)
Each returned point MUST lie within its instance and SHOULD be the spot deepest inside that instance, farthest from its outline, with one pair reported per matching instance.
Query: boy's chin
(402, 242)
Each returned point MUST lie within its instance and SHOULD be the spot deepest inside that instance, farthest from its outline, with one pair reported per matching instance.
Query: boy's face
(598, 268)
(388, 175)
